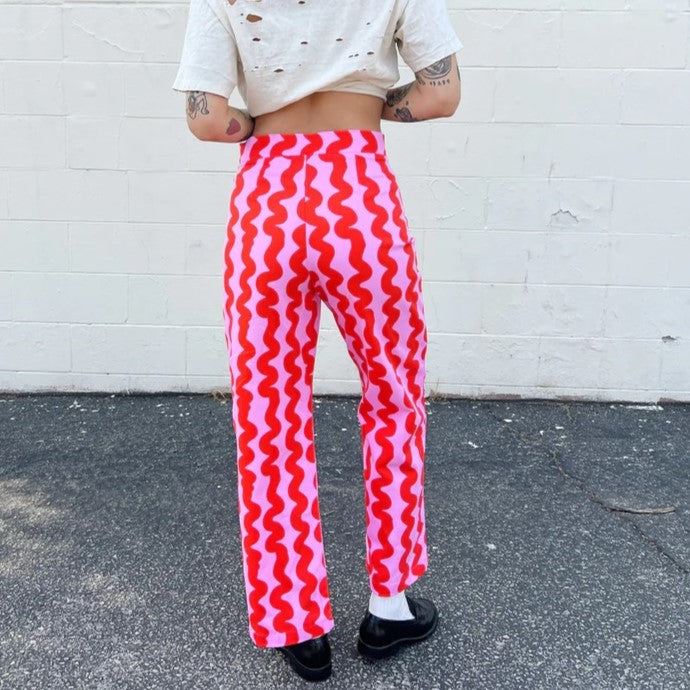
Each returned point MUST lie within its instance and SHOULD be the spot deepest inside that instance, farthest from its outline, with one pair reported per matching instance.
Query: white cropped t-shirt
(278, 51)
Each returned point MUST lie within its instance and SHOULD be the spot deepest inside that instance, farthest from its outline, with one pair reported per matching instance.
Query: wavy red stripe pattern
(318, 217)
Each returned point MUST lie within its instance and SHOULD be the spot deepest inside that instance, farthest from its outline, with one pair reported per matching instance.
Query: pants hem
(281, 640)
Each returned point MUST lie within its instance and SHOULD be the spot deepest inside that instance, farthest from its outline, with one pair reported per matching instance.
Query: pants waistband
(330, 141)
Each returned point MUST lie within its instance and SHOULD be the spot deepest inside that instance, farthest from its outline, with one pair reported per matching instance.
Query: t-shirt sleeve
(209, 52)
(424, 33)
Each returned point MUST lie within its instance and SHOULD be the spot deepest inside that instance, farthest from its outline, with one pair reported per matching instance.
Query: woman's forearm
(211, 118)
(240, 125)
(234, 127)
(434, 93)
(408, 104)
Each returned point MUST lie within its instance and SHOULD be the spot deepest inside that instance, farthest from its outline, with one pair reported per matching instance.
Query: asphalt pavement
(558, 533)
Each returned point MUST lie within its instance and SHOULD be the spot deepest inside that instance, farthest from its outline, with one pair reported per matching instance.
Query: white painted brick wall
(552, 211)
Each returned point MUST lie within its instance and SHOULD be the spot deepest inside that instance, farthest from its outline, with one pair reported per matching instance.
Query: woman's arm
(211, 118)
(434, 93)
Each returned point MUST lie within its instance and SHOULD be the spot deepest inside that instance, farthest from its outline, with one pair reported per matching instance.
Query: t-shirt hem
(444, 50)
(200, 83)
(364, 88)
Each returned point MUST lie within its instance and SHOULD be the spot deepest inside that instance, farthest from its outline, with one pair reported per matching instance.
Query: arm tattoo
(233, 127)
(396, 95)
(436, 74)
(404, 115)
(196, 103)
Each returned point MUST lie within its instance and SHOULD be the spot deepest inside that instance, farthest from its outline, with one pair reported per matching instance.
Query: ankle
(390, 608)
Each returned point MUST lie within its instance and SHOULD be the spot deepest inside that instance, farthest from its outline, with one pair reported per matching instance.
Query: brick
(557, 95)
(568, 362)
(5, 296)
(132, 248)
(30, 32)
(646, 312)
(626, 40)
(46, 135)
(651, 206)
(443, 202)
(207, 353)
(481, 359)
(622, 152)
(496, 37)
(35, 245)
(69, 297)
(34, 347)
(639, 260)
(58, 195)
(204, 250)
(641, 103)
(452, 307)
(33, 88)
(535, 310)
(128, 349)
(92, 142)
(121, 33)
(179, 197)
(175, 300)
(491, 150)
(94, 89)
(561, 205)
(674, 377)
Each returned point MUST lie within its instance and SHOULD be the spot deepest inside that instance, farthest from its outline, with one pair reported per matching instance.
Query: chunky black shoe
(380, 637)
(311, 658)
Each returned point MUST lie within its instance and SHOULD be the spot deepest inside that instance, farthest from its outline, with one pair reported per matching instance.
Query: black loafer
(380, 637)
(311, 658)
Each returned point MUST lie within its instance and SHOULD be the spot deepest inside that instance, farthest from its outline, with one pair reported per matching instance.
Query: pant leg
(271, 327)
(371, 282)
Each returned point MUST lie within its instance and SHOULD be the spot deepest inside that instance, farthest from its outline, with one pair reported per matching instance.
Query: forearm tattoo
(405, 115)
(436, 74)
(396, 95)
(196, 103)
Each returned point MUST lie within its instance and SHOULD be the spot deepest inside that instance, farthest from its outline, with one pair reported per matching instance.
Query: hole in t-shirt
(370, 52)
(279, 69)
(303, 43)
(254, 18)
(256, 39)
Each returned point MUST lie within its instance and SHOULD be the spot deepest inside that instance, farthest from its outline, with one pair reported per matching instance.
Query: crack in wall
(105, 40)
(563, 213)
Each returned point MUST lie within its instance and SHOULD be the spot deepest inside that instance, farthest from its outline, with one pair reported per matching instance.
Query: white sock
(393, 608)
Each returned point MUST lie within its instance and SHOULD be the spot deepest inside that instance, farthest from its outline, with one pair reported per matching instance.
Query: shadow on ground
(120, 566)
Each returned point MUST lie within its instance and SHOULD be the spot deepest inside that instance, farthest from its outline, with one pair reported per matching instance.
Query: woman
(316, 216)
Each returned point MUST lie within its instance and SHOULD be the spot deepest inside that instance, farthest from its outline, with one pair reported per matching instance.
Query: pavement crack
(618, 512)
(683, 568)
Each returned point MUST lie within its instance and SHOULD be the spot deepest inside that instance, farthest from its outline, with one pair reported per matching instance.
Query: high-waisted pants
(318, 217)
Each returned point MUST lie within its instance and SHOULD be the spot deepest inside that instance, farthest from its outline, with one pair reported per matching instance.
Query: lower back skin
(324, 110)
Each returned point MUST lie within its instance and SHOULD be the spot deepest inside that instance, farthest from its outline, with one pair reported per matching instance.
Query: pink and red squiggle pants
(318, 217)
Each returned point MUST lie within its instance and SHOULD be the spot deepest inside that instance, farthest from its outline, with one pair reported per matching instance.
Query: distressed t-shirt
(278, 51)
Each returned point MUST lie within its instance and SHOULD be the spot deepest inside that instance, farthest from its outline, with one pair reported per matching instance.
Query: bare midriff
(323, 110)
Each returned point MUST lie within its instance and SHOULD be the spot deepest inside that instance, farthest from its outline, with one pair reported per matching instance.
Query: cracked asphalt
(559, 546)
